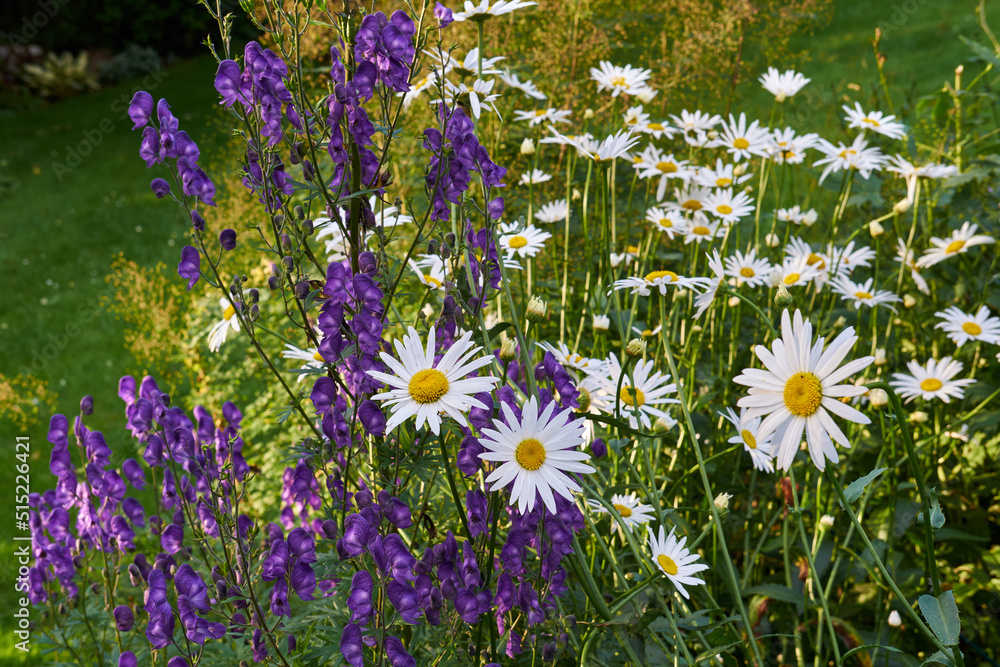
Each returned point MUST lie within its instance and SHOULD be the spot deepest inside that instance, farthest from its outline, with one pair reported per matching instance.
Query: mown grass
(62, 225)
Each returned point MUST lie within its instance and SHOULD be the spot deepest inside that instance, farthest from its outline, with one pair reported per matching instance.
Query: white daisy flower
(863, 293)
(534, 177)
(797, 216)
(523, 242)
(633, 513)
(957, 243)
(906, 256)
(722, 176)
(539, 116)
(689, 200)
(479, 96)
(486, 9)
(668, 222)
(748, 269)
(748, 429)
(635, 117)
(703, 230)
(694, 122)
(674, 560)
(857, 156)
(962, 327)
(628, 256)
(656, 164)
(729, 207)
(217, 334)
(554, 211)
(572, 360)
(432, 275)
(786, 147)
(845, 260)
(659, 280)
(793, 272)
(613, 147)
(444, 62)
(641, 400)
(658, 129)
(527, 87)
(874, 121)
(933, 380)
(601, 323)
(645, 94)
(422, 389)
(617, 79)
(782, 84)
(425, 82)
(742, 140)
(798, 386)
(311, 356)
(907, 170)
(705, 299)
(647, 333)
(535, 454)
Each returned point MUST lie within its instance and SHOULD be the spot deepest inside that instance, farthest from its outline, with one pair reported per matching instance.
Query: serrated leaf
(941, 613)
(984, 52)
(857, 487)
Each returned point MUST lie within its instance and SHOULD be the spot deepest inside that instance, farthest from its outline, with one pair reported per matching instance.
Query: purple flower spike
(124, 618)
(398, 657)
(190, 265)
(350, 646)
(140, 109)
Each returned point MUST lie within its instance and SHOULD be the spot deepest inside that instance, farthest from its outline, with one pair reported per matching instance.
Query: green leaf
(868, 646)
(939, 658)
(776, 592)
(984, 52)
(498, 329)
(857, 487)
(941, 613)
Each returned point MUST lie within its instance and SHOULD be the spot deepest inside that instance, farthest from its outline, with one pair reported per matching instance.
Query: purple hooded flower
(372, 418)
(259, 646)
(477, 511)
(190, 265)
(227, 239)
(279, 599)
(468, 460)
(178, 661)
(404, 600)
(149, 148)
(140, 109)
(228, 80)
(356, 535)
(443, 15)
(124, 618)
(303, 580)
(127, 659)
(350, 645)
(359, 602)
(159, 187)
(172, 538)
(302, 545)
(276, 561)
(133, 473)
(398, 657)
(190, 584)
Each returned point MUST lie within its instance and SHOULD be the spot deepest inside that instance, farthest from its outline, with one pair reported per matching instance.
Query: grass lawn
(82, 197)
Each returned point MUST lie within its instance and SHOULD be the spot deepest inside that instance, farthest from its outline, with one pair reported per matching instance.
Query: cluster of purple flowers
(456, 153)
(168, 142)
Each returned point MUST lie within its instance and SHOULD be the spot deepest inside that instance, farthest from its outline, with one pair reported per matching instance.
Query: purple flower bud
(197, 221)
(190, 265)
(356, 534)
(495, 208)
(350, 645)
(477, 511)
(140, 109)
(367, 262)
(329, 528)
(178, 661)
(598, 448)
(159, 187)
(227, 239)
(127, 659)
(398, 657)
(87, 405)
(124, 618)
(443, 15)
(360, 600)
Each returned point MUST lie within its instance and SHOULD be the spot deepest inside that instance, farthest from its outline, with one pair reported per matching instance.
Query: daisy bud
(909, 301)
(783, 299)
(875, 229)
(713, 134)
(919, 416)
(902, 206)
(602, 322)
(740, 169)
(636, 348)
(527, 147)
(894, 619)
(880, 356)
(576, 194)
(588, 114)
(826, 521)
(583, 399)
(879, 399)
(840, 322)
(722, 501)
(733, 301)
(507, 350)
(536, 310)
(772, 240)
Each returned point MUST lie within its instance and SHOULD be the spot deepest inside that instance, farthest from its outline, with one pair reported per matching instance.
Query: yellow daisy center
(655, 275)
(318, 357)
(871, 121)
(623, 511)
(666, 167)
(634, 249)
(748, 439)
(665, 222)
(540, 112)
(741, 144)
(700, 230)
(431, 280)
(655, 126)
(229, 312)
(747, 272)
(530, 454)
(803, 394)
(931, 384)
(618, 81)
(428, 385)
(667, 564)
(632, 397)
(646, 333)
(972, 328)
(724, 209)
(955, 246)
(723, 182)
(862, 295)
(517, 242)
(692, 205)
(815, 260)
(792, 278)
